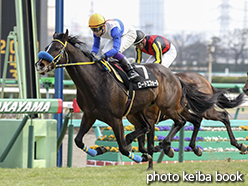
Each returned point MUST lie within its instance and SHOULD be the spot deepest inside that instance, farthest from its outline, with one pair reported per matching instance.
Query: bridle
(57, 58)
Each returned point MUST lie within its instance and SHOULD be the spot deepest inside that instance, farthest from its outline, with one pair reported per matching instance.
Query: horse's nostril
(42, 65)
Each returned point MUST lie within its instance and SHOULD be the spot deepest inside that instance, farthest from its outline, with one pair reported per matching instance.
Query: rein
(56, 59)
(73, 64)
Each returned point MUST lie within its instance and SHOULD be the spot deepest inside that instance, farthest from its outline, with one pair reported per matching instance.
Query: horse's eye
(57, 48)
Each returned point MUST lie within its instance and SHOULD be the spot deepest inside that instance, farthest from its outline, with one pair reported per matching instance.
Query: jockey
(160, 49)
(119, 37)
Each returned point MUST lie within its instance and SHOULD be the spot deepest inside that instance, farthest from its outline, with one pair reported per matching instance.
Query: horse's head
(245, 88)
(54, 53)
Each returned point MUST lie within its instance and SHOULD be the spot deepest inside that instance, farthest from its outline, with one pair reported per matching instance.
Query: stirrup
(133, 75)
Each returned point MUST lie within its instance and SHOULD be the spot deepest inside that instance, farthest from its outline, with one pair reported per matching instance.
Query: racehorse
(152, 113)
(245, 88)
(99, 97)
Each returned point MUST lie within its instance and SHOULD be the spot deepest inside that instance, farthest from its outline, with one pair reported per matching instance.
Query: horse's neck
(85, 77)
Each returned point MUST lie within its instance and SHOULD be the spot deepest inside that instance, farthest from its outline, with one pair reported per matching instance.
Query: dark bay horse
(245, 88)
(223, 102)
(99, 97)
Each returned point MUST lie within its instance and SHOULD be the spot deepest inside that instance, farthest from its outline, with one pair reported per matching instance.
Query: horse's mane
(73, 40)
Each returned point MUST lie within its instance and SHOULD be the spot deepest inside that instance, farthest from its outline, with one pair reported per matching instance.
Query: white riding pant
(167, 58)
(126, 41)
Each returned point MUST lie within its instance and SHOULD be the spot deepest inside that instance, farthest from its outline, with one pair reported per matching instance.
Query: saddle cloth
(147, 78)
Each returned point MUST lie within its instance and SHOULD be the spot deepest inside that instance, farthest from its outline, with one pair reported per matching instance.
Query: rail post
(13, 139)
(30, 144)
(181, 145)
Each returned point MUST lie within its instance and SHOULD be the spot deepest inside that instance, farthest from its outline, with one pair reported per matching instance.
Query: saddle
(147, 79)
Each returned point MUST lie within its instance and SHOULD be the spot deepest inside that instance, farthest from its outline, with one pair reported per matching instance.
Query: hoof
(243, 152)
(170, 153)
(197, 151)
(101, 150)
(146, 157)
(142, 150)
(149, 168)
(157, 148)
(243, 147)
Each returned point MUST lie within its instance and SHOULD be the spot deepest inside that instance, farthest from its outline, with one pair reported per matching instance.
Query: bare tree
(190, 47)
(237, 42)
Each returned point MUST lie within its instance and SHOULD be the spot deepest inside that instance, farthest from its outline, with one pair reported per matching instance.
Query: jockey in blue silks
(119, 38)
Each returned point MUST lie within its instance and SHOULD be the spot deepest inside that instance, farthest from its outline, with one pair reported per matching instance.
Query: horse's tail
(197, 101)
(224, 102)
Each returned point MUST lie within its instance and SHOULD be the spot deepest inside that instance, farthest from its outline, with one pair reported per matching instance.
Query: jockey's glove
(98, 59)
(103, 56)
(94, 56)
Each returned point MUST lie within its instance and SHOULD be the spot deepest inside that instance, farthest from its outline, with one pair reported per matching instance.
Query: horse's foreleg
(85, 126)
(241, 146)
(223, 117)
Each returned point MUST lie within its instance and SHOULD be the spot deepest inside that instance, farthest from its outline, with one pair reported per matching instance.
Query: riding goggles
(96, 29)
(139, 44)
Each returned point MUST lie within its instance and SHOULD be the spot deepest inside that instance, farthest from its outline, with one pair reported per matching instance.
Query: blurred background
(205, 33)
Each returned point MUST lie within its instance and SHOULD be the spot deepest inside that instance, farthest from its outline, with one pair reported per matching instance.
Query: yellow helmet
(96, 20)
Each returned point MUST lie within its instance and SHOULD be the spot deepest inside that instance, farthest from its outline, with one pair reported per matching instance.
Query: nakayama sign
(10, 106)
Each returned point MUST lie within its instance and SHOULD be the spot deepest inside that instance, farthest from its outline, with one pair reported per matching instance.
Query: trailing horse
(223, 102)
(99, 97)
(245, 88)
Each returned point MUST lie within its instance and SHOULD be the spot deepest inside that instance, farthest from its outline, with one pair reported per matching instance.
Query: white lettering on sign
(38, 106)
(13, 107)
(20, 106)
(26, 106)
(46, 107)
(5, 106)
(148, 83)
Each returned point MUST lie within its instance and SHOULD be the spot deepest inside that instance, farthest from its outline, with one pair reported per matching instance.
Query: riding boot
(128, 68)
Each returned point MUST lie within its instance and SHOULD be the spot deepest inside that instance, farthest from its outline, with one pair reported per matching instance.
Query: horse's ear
(66, 35)
(55, 33)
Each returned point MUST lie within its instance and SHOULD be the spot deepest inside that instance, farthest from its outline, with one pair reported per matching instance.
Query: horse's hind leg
(141, 139)
(196, 121)
(223, 117)
(118, 129)
(141, 142)
(178, 124)
(144, 128)
(150, 146)
(86, 124)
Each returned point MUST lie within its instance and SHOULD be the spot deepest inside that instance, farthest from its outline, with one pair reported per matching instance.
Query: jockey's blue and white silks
(45, 55)
(115, 31)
